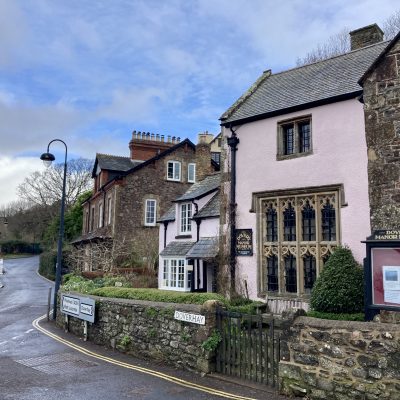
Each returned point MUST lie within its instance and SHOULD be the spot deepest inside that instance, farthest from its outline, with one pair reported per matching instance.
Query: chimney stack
(365, 36)
(203, 156)
(145, 145)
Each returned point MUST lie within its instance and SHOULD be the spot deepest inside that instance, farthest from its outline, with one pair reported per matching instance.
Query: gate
(249, 347)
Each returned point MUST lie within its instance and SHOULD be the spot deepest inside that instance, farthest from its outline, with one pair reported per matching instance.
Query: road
(35, 366)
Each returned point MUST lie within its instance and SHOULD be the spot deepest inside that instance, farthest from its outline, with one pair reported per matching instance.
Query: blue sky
(90, 72)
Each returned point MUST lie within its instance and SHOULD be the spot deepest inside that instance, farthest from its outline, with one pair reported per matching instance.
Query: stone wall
(341, 360)
(382, 125)
(148, 329)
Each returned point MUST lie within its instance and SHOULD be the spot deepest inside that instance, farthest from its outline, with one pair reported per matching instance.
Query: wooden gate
(249, 347)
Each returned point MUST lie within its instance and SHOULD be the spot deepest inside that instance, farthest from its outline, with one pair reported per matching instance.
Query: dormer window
(174, 171)
(191, 173)
(185, 226)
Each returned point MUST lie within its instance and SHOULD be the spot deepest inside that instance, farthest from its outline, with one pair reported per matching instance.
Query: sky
(90, 72)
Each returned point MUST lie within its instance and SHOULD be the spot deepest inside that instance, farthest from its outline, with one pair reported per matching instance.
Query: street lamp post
(48, 158)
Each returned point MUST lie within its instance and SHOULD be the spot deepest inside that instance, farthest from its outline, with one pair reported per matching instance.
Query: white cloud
(12, 173)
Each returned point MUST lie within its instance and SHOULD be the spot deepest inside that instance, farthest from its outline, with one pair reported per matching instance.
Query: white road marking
(29, 330)
(1, 343)
(16, 337)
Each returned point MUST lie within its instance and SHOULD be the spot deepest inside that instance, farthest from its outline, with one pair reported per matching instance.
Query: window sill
(183, 237)
(173, 180)
(281, 157)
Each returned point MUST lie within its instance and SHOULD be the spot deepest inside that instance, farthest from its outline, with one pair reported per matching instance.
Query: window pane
(310, 272)
(173, 273)
(291, 274)
(165, 273)
(304, 136)
(150, 212)
(289, 224)
(288, 139)
(170, 170)
(328, 215)
(191, 172)
(308, 222)
(272, 224)
(177, 171)
(272, 274)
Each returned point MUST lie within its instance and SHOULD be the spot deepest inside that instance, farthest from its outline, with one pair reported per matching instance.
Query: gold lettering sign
(244, 242)
(387, 235)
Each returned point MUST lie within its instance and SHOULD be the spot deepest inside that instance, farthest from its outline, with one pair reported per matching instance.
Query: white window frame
(174, 274)
(101, 211)
(176, 167)
(109, 210)
(185, 218)
(193, 179)
(148, 221)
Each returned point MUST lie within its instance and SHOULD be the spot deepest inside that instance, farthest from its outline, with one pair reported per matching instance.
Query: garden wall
(148, 329)
(341, 360)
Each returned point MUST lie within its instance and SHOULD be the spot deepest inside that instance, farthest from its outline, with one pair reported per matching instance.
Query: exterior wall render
(339, 156)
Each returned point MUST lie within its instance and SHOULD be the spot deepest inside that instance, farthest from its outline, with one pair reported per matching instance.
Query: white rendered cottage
(189, 235)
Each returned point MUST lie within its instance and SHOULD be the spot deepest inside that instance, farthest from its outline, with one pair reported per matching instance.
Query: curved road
(35, 366)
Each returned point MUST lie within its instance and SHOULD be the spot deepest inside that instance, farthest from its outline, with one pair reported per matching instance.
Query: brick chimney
(366, 36)
(145, 145)
(203, 156)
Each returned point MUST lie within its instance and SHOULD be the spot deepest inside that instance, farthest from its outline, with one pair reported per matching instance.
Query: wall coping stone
(354, 325)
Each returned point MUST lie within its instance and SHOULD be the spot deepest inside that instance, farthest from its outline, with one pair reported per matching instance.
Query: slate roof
(115, 163)
(211, 209)
(206, 247)
(169, 215)
(97, 235)
(202, 188)
(177, 248)
(320, 82)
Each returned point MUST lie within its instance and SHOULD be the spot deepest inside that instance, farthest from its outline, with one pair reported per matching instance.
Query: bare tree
(391, 26)
(336, 44)
(339, 43)
(44, 188)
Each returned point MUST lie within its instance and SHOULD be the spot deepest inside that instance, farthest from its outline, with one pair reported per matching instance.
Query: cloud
(13, 171)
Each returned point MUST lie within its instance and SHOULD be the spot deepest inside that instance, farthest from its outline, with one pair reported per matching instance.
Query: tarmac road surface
(34, 365)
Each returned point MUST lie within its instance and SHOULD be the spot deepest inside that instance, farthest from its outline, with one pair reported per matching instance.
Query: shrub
(340, 286)
(164, 296)
(47, 264)
(337, 317)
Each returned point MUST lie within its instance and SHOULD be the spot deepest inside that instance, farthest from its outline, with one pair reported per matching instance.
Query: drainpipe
(165, 233)
(196, 207)
(233, 141)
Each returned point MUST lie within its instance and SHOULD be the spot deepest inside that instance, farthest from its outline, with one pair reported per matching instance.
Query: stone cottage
(297, 172)
(131, 193)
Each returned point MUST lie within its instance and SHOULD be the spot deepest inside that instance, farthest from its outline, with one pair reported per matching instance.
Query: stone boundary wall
(148, 329)
(341, 360)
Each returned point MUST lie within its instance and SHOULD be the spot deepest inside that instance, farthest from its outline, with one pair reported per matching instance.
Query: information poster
(385, 276)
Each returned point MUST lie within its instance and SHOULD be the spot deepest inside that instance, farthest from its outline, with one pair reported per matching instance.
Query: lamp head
(47, 159)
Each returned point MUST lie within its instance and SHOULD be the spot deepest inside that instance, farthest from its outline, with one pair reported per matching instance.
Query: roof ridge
(330, 58)
(111, 155)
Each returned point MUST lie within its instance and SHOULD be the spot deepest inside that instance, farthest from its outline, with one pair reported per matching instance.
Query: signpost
(382, 272)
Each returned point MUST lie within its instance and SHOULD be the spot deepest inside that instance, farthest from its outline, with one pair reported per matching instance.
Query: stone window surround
(280, 155)
(258, 202)
(175, 164)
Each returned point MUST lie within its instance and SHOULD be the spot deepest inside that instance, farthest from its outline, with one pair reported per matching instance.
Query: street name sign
(188, 317)
(79, 307)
